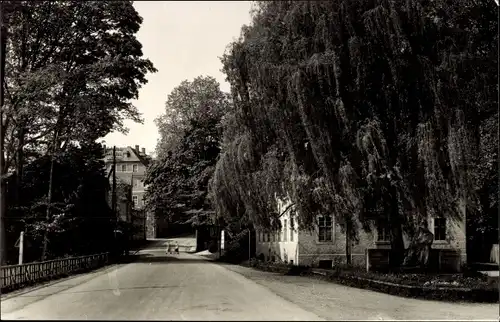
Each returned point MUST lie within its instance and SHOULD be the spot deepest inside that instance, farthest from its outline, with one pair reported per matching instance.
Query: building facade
(131, 164)
(325, 246)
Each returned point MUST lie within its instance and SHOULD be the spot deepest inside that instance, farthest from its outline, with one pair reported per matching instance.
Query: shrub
(213, 246)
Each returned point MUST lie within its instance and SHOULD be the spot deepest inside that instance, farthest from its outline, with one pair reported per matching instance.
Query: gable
(126, 154)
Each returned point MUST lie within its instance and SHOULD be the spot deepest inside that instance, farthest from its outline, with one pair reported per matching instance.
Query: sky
(183, 39)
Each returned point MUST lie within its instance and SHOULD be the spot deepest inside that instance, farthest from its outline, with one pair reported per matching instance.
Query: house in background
(325, 246)
(131, 165)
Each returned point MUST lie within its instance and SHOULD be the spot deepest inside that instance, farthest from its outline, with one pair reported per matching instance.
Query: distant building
(131, 165)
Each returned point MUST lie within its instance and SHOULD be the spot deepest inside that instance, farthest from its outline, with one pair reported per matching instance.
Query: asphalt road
(155, 287)
(185, 287)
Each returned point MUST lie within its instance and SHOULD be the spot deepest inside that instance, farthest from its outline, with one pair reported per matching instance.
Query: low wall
(17, 276)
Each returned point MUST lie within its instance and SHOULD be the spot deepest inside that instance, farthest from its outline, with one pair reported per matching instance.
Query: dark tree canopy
(362, 109)
(72, 69)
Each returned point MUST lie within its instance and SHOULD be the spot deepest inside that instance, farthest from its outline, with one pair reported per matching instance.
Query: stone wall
(311, 251)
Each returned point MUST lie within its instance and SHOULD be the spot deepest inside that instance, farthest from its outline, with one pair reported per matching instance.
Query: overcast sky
(183, 40)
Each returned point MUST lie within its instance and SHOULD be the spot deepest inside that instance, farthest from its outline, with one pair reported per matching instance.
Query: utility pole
(249, 244)
(113, 192)
(3, 52)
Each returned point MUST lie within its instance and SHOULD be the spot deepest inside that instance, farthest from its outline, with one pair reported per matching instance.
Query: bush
(213, 247)
(237, 249)
(278, 267)
(468, 286)
(450, 287)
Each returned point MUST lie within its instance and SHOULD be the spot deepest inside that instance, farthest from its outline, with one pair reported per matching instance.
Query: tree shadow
(150, 287)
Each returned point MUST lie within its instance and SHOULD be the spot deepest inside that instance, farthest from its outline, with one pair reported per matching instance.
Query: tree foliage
(364, 110)
(187, 102)
(189, 145)
(72, 68)
(79, 207)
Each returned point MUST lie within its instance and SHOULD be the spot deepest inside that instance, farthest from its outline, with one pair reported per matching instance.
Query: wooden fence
(17, 276)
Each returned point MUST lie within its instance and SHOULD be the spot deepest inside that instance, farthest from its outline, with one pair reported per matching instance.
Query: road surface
(185, 287)
(155, 287)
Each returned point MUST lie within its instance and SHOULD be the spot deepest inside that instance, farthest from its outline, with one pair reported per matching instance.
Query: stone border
(447, 294)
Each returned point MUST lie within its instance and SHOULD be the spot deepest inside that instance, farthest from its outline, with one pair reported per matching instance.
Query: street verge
(442, 287)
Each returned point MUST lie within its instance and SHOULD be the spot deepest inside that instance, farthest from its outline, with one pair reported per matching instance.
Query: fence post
(21, 248)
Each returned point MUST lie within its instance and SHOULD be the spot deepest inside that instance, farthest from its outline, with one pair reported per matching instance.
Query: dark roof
(144, 159)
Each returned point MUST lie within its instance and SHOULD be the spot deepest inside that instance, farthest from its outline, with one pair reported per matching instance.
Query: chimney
(137, 148)
(144, 151)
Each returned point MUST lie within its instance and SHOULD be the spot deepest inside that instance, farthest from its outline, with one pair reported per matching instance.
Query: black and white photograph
(268, 160)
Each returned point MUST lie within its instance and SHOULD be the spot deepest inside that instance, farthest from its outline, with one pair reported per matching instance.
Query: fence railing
(17, 276)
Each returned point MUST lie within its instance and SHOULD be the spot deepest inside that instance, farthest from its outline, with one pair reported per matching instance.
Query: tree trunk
(3, 171)
(49, 205)
(348, 243)
(19, 163)
(3, 191)
(397, 243)
(49, 197)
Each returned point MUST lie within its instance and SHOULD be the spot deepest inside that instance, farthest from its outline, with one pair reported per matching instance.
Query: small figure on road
(169, 248)
(177, 247)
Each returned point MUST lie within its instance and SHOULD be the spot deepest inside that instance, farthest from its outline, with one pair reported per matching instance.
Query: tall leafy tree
(368, 110)
(189, 145)
(72, 69)
(184, 104)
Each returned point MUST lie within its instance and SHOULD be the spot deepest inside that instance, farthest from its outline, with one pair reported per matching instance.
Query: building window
(135, 200)
(325, 264)
(439, 228)
(135, 168)
(272, 236)
(325, 228)
(291, 228)
(383, 233)
(285, 230)
(268, 237)
(124, 167)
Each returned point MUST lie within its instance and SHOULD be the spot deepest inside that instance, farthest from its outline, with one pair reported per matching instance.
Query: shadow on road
(104, 290)
(166, 259)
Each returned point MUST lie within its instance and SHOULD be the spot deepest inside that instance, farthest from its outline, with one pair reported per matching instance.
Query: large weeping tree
(368, 110)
